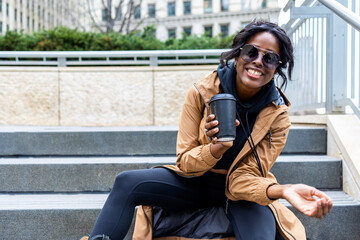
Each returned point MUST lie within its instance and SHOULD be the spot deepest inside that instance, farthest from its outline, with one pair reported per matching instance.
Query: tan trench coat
(244, 180)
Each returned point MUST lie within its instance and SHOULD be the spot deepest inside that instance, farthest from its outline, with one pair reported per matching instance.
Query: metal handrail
(81, 58)
(325, 49)
(343, 12)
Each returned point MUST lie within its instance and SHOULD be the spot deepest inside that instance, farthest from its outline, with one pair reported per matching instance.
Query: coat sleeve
(193, 152)
(246, 182)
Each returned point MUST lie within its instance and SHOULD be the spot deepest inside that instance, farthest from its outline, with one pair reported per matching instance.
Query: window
(1, 7)
(15, 14)
(0, 27)
(172, 33)
(7, 9)
(245, 4)
(137, 12)
(104, 14)
(28, 22)
(224, 28)
(187, 7)
(224, 5)
(151, 10)
(119, 16)
(171, 9)
(187, 31)
(21, 18)
(263, 4)
(208, 31)
(207, 6)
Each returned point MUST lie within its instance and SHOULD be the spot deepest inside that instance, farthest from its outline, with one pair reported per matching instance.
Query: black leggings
(164, 188)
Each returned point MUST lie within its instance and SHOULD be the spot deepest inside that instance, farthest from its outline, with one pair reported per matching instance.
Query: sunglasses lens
(249, 53)
(271, 60)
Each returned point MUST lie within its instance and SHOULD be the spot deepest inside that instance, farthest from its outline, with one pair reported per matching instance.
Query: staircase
(54, 180)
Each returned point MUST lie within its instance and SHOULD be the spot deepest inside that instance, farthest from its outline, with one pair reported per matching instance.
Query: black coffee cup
(223, 106)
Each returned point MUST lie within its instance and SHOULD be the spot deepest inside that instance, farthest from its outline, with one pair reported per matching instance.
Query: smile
(254, 72)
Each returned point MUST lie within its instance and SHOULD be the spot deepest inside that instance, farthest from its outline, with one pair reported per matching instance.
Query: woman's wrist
(276, 191)
(218, 149)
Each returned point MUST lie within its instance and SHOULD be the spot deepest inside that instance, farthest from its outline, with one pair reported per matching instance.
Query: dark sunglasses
(250, 52)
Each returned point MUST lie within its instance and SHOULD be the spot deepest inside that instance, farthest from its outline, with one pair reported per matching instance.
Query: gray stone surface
(88, 142)
(56, 217)
(69, 174)
(62, 141)
(48, 174)
(306, 140)
(320, 171)
(98, 173)
(50, 216)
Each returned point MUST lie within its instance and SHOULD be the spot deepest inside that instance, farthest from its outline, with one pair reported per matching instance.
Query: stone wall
(95, 96)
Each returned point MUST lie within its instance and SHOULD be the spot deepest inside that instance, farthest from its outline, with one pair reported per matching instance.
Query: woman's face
(251, 76)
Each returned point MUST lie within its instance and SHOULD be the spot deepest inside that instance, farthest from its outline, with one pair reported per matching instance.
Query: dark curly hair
(258, 26)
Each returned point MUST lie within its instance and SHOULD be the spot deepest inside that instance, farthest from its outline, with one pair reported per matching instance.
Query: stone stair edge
(12, 129)
(48, 201)
(141, 159)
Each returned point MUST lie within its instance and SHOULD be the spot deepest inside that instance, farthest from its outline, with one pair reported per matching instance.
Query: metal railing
(113, 58)
(325, 36)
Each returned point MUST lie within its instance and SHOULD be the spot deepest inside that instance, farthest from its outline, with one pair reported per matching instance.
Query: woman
(233, 174)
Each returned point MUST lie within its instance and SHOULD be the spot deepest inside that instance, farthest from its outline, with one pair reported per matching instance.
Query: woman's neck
(245, 94)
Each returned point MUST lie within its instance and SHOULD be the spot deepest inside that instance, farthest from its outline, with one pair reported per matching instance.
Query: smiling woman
(230, 182)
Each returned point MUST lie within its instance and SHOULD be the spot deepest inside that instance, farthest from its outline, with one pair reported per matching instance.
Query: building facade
(34, 15)
(173, 18)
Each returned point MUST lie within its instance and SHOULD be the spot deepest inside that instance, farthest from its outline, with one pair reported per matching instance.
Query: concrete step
(341, 223)
(78, 174)
(70, 216)
(120, 141)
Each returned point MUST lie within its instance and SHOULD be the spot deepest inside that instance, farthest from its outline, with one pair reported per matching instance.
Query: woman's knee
(125, 180)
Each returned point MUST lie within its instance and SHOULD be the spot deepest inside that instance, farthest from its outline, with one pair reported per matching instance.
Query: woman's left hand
(301, 196)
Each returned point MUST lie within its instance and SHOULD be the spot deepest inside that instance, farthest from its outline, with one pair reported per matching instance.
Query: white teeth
(256, 73)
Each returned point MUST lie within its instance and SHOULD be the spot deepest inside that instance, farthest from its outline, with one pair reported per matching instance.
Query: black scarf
(246, 112)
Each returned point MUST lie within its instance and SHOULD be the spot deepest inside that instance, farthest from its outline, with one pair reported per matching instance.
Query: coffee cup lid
(222, 96)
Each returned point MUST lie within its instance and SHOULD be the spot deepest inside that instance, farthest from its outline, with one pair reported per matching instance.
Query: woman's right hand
(217, 149)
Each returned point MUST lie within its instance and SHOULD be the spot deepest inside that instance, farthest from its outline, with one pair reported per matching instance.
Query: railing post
(153, 61)
(61, 62)
(336, 62)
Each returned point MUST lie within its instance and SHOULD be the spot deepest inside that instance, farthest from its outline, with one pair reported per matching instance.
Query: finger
(330, 204)
(319, 209)
(237, 122)
(211, 133)
(320, 194)
(211, 124)
(214, 140)
(324, 206)
(210, 118)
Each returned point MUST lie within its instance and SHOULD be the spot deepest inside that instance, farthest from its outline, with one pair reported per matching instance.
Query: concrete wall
(95, 96)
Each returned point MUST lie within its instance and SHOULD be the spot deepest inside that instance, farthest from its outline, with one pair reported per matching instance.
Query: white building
(173, 17)
(35, 15)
